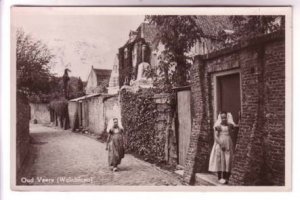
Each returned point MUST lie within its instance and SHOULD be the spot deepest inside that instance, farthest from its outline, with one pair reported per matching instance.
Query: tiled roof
(212, 25)
(102, 72)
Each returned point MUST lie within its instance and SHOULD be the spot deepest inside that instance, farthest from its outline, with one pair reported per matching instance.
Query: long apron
(222, 160)
(115, 148)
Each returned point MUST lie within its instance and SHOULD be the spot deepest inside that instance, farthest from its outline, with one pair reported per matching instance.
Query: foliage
(139, 113)
(248, 26)
(59, 112)
(178, 34)
(33, 65)
(75, 89)
(80, 85)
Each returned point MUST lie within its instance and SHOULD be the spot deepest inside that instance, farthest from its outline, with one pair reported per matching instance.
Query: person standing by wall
(222, 152)
(115, 143)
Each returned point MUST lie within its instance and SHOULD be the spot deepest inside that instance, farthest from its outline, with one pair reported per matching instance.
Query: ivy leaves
(139, 114)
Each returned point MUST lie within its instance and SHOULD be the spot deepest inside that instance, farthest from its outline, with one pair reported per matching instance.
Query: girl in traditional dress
(115, 143)
(221, 155)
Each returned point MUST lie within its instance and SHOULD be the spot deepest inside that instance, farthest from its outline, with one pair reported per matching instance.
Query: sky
(80, 38)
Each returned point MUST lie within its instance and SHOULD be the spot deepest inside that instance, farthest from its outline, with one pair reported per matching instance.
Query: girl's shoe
(115, 169)
(222, 181)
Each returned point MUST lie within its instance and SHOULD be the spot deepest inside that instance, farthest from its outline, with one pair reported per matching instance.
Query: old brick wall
(22, 135)
(274, 114)
(40, 112)
(165, 126)
(259, 154)
(199, 148)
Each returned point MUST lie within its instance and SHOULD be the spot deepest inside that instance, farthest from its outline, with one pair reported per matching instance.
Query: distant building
(98, 80)
(113, 86)
(137, 50)
(143, 46)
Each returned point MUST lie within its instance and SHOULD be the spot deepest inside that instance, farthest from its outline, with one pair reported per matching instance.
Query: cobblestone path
(61, 157)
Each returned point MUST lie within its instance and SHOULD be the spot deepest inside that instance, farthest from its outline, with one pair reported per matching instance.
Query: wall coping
(242, 44)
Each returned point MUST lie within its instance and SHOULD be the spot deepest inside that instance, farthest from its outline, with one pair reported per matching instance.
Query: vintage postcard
(151, 98)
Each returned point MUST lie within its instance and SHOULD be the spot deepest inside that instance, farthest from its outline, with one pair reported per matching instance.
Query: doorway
(228, 96)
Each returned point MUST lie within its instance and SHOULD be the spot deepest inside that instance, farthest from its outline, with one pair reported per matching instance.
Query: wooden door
(184, 124)
(229, 97)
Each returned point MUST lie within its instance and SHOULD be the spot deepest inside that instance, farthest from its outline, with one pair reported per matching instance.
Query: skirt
(115, 150)
(221, 160)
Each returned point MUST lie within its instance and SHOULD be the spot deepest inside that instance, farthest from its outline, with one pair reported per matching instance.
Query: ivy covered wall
(148, 120)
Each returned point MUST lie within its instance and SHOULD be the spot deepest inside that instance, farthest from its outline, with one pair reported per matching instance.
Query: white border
(141, 11)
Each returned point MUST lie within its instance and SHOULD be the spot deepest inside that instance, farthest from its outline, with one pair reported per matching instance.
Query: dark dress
(115, 147)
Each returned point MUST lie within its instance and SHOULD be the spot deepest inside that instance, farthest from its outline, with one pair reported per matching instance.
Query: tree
(33, 65)
(248, 26)
(178, 34)
(80, 85)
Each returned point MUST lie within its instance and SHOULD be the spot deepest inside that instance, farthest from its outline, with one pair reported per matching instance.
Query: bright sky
(77, 35)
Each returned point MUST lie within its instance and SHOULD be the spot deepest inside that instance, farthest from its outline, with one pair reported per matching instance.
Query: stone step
(206, 179)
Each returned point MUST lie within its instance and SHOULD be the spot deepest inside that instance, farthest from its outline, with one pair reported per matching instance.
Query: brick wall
(259, 155)
(22, 136)
(165, 126)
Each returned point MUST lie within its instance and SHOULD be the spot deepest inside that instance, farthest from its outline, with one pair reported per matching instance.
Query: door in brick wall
(229, 97)
(184, 124)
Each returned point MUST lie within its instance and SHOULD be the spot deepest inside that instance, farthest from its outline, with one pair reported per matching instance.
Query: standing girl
(221, 155)
(115, 144)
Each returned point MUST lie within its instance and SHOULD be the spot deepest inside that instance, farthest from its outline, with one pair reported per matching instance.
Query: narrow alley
(66, 158)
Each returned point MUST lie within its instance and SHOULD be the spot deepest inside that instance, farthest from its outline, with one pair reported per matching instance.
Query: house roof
(102, 72)
(212, 25)
(91, 96)
(146, 31)
(84, 97)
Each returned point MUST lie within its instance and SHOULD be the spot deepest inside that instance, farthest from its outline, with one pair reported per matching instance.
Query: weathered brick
(259, 157)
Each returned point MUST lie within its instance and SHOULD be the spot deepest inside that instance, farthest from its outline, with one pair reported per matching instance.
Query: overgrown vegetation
(34, 78)
(248, 26)
(33, 66)
(139, 113)
(178, 34)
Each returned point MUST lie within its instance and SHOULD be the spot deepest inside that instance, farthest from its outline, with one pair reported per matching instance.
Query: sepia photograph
(190, 98)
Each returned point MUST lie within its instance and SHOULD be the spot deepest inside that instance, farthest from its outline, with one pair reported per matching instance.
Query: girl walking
(115, 144)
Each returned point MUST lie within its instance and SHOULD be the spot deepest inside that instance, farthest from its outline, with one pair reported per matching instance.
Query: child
(222, 151)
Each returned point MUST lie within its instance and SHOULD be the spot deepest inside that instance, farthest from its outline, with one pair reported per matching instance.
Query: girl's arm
(216, 135)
